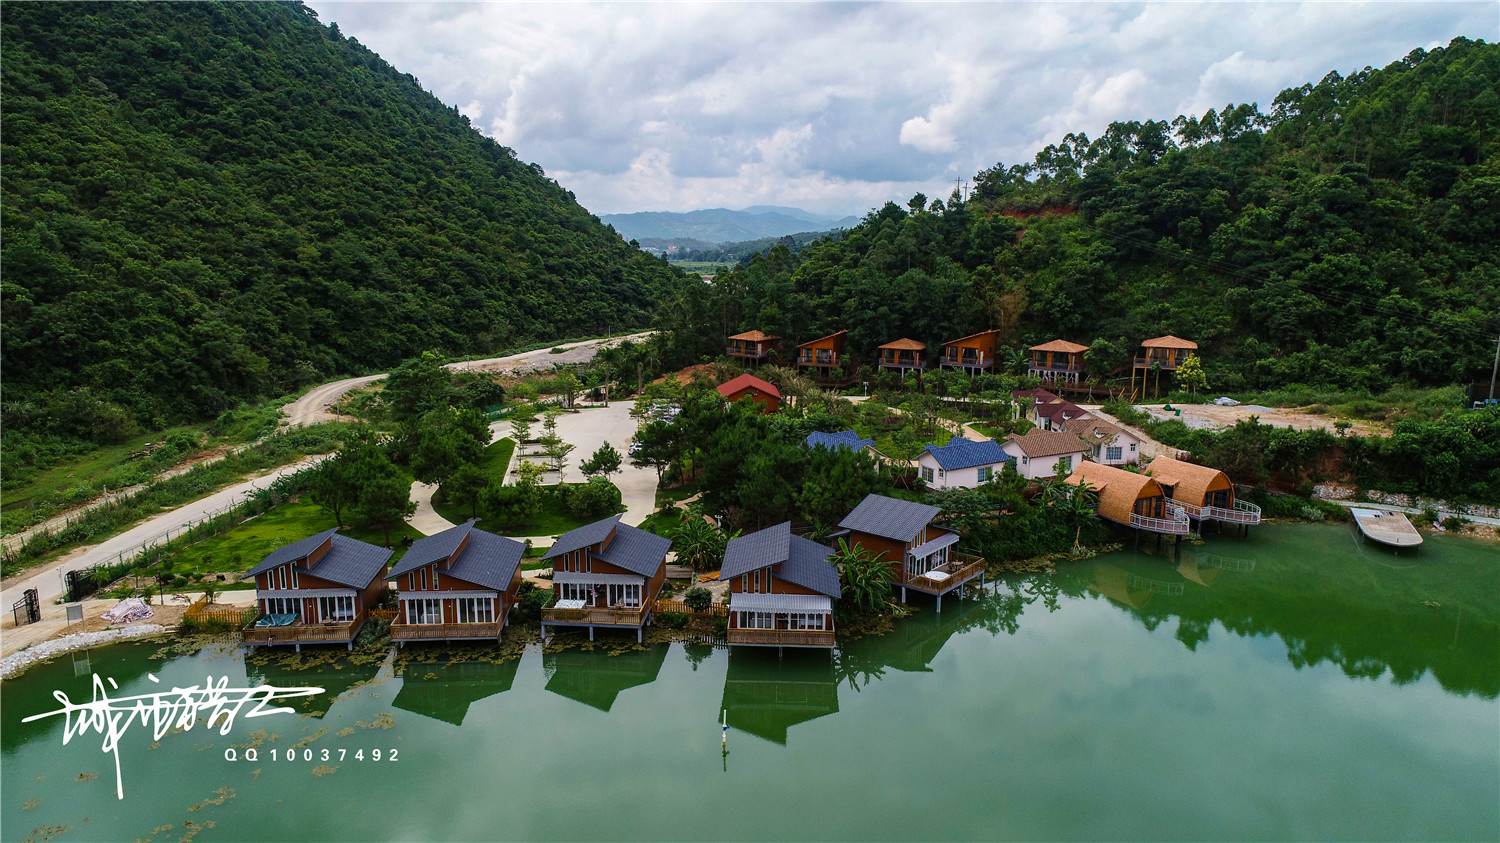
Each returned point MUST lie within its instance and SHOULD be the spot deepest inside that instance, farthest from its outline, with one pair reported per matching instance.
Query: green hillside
(1344, 237)
(207, 203)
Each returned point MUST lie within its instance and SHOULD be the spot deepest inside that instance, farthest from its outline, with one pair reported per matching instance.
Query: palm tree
(866, 577)
(700, 545)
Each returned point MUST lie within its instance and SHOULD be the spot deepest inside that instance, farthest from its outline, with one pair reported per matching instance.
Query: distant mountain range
(721, 225)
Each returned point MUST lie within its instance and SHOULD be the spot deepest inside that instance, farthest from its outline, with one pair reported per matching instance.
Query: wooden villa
(1204, 493)
(782, 589)
(903, 355)
(1165, 354)
(974, 353)
(1131, 500)
(456, 585)
(316, 591)
(606, 575)
(1057, 361)
(921, 554)
(752, 346)
(823, 354)
(753, 388)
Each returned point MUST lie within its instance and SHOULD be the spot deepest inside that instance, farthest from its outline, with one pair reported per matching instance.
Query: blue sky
(837, 107)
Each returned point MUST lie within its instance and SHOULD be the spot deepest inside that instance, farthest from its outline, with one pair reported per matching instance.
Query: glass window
(985, 473)
(927, 474)
(339, 609)
(476, 610)
(1113, 452)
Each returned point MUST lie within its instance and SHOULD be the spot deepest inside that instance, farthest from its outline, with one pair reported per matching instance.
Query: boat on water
(1392, 529)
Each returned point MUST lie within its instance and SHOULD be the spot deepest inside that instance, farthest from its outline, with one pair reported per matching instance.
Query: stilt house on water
(921, 554)
(316, 591)
(1132, 500)
(782, 589)
(459, 584)
(1204, 493)
(606, 574)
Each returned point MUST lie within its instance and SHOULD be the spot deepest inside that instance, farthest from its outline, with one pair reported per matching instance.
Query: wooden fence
(387, 615)
(714, 611)
(205, 612)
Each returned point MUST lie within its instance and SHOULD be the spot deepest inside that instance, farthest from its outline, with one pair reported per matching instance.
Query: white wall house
(961, 464)
(1038, 452)
(1108, 444)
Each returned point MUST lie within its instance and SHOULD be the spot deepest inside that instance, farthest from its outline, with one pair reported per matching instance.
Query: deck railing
(302, 633)
(782, 637)
(1167, 365)
(960, 567)
(715, 610)
(419, 631)
(596, 617)
(745, 352)
(1243, 513)
(1176, 524)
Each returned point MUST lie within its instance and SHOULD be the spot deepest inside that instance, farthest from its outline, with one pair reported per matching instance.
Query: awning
(806, 603)
(585, 578)
(926, 550)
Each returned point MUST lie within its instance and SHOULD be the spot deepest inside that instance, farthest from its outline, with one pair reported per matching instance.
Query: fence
(714, 611)
(205, 612)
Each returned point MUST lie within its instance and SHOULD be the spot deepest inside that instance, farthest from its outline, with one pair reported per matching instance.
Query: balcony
(1242, 513)
(822, 358)
(443, 631)
(302, 633)
(961, 568)
(904, 362)
(748, 352)
(596, 617)
(1175, 524)
(969, 360)
(1167, 363)
(781, 637)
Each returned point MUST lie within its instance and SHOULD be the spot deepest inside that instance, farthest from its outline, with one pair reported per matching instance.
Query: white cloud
(840, 107)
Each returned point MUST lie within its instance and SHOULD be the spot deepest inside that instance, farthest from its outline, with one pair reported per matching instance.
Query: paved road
(312, 408)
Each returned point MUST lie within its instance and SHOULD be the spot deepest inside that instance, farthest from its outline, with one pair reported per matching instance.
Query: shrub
(593, 499)
(532, 601)
(675, 620)
(698, 599)
(1454, 522)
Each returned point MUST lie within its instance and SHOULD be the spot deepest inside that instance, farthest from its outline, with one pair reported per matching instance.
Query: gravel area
(13, 665)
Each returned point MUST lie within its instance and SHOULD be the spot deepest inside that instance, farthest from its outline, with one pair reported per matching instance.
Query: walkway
(426, 519)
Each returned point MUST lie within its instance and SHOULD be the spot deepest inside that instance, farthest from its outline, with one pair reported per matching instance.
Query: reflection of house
(845, 439)
(921, 554)
(316, 591)
(596, 679)
(606, 574)
(1107, 443)
(445, 690)
(961, 464)
(823, 354)
(457, 584)
(1130, 589)
(1039, 451)
(1205, 493)
(753, 388)
(903, 356)
(1130, 499)
(752, 346)
(974, 353)
(765, 696)
(335, 678)
(1058, 360)
(782, 589)
(1164, 354)
(915, 642)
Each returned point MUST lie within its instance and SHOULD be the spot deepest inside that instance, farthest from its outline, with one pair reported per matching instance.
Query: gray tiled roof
(581, 537)
(349, 562)
(636, 550)
(878, 515)
(296, 550)
(433, 548)
(803, 561)
(489, 560)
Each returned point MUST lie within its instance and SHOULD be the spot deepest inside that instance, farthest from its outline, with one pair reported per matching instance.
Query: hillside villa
(752, 347)
(1058, 360)
(973, 354)
(823, 354)
(902, 356)
(1164, 354)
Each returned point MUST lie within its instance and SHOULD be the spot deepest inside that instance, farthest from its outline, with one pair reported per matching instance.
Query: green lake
(1294, 685)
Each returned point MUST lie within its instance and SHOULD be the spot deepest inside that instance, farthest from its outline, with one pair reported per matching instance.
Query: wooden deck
(961, 568)
(444, 631)
(781, 637)
(595, 617)
(299, 634)
(1393, 529)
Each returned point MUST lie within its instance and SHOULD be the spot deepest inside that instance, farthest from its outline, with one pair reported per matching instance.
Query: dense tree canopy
(1346, 237)
(208, 202)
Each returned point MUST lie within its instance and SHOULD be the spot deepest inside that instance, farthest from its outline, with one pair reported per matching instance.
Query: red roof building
(757, 390)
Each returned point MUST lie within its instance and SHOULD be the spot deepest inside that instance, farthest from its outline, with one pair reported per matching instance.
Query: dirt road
(1214, 417)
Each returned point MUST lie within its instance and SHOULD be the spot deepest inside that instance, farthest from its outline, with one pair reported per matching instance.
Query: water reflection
(316, 669)
(765, 695)
(595, 678)
(445, 690)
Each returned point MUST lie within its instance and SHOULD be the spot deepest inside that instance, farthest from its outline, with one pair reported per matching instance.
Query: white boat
(1393, 529)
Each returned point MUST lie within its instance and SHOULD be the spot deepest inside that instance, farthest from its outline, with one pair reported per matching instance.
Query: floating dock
(1393, 529)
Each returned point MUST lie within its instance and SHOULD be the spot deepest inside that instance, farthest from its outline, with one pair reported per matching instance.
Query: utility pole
(1495, 368)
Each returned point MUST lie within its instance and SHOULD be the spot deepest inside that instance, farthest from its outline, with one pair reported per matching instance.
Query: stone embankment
(13, 665)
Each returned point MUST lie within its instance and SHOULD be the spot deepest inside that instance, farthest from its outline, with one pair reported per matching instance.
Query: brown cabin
(974, 353)
(754, 346)
(1058, 360)
(1205, 493)
(782, 589)
(1130, 499)
(459, 584)
(823, 354)
(921, 554)
(753, 388)
(903, 355)
(605, 574)
(1165, 353)
(316, 591)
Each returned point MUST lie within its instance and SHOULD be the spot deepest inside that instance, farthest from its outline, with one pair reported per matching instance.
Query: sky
(838, 107)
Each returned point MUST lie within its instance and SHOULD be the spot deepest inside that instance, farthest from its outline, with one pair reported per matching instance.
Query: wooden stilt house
(1204, 493)
(1131, 500)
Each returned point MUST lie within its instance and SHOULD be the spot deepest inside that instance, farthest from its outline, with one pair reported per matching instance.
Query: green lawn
(663, 524)
(497, 457)
(553, 519)
(675, 493)
(106, 465)
(994, 433)
(244, 546)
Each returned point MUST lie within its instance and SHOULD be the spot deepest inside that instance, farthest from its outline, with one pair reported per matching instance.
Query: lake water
(1294, 685)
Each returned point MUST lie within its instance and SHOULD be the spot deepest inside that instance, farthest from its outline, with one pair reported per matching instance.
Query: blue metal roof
(843, 439)
(966, 453)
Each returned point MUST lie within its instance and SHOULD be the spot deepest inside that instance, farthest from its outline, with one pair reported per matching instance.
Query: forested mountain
(720, 225)
(1346, 236)
(209, 202)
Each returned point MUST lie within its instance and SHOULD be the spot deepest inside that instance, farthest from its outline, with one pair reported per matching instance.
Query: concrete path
(47, 579)
(426, 519)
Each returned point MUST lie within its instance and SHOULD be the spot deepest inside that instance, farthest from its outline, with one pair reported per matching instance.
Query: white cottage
(961, 464)
(1108, 444)
(1039, 451)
